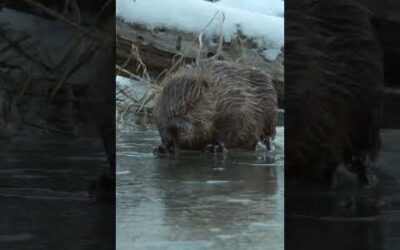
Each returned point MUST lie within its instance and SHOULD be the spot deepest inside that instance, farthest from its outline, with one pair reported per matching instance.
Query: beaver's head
(178, 131)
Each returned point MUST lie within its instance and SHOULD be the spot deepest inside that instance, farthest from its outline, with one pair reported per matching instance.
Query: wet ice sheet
(44, 202)
(371, 222)
(195, 201)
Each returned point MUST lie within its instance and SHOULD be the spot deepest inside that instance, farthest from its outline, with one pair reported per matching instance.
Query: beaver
(334, 82)
(215, 105)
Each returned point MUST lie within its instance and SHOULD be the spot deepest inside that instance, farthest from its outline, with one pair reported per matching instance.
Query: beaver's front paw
(215, 149)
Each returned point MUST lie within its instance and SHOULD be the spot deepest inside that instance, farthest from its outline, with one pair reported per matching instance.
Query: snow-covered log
(161, 29)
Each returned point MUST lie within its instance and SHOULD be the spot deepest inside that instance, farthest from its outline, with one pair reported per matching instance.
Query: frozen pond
(197, 201)
(349, 218)
(44, 202)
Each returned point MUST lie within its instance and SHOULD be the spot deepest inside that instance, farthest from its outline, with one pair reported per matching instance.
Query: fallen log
(160, 45)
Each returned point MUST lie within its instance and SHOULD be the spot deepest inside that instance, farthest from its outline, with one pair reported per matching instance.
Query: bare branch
(59, 16)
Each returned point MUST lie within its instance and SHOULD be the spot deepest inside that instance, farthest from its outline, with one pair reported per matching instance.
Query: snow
(257, 19)
(126, 82)
(132, 87)
(268, 7)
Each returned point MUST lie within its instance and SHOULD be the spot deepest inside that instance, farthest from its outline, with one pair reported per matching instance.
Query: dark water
(195, 201)
(349, 218)
(44, 202)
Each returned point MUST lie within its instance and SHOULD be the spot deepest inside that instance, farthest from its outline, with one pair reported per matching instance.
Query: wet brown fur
(334, 76)
(220, 101)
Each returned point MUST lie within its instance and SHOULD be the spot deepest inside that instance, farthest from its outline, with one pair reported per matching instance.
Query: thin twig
(55, 14)
(103, 8)
(66, 5)
(128, 96)
(130, 74)
(73, 55)
(200, 48)
(136, 54)
(21, 51)
(17, 43)
(200, 37)
(77, 11)
(27, 82)
(48, 129)
(175, 65)
(69, 66)
(127, 61)
(221, 37)
(147, 97)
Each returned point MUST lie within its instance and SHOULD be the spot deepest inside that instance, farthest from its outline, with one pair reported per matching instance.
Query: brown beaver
(217, 103)
(334, 81)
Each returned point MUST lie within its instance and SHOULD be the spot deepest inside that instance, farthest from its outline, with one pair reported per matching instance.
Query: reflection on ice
(197, 202)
